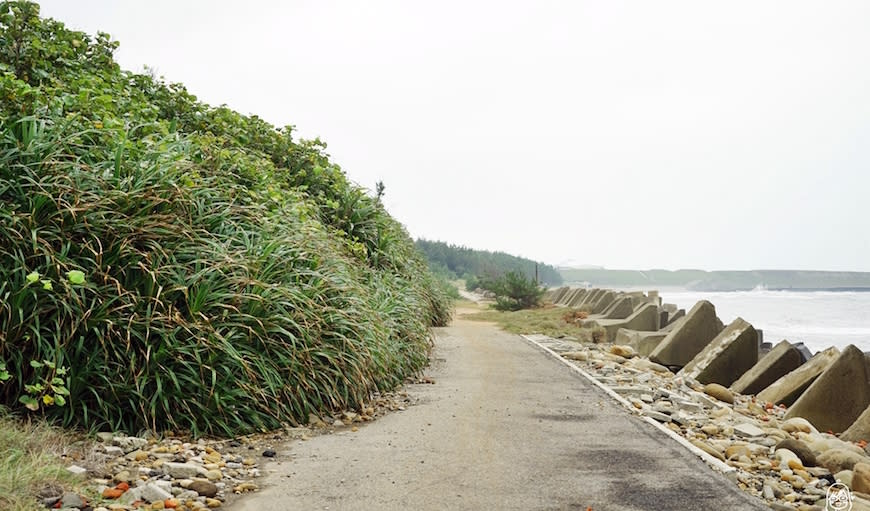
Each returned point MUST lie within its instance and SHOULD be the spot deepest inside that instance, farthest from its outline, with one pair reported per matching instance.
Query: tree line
(455, 261)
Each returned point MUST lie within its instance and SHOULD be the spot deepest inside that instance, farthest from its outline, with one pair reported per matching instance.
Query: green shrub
(514, 291)
(472, 282)
(197, 269)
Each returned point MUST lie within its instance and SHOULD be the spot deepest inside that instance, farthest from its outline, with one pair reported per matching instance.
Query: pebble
(710, 429)
(861, 478)
(748, 430)
(77, 470)
(719, 392)
(800, 449)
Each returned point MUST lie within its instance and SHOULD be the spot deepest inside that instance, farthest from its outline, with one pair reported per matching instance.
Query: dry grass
(31, 462)
(548, 320)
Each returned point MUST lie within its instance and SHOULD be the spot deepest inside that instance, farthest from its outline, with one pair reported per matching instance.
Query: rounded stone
(801, 450)
(203, 488)
(719, 392)
(836, 460)
(861, 477)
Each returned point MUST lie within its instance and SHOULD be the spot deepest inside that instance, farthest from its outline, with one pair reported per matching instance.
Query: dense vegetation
(456, 262)
(170, 265)
(701, 280)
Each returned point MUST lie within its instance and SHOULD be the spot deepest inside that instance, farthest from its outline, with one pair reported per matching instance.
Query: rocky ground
(787, 463)
(126, 473)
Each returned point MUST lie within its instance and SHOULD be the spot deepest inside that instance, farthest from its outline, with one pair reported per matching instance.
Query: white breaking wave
(819, 319)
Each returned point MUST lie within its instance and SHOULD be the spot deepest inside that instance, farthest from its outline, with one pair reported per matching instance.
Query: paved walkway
(505, 427)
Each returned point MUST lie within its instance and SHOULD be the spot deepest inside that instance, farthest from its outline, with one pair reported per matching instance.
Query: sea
(819, 319)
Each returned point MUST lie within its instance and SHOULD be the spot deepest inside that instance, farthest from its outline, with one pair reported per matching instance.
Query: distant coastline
(713, 281)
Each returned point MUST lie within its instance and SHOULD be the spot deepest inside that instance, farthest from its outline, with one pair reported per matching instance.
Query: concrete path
(505, 427)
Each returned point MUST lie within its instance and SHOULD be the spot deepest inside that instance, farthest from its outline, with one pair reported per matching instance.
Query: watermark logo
(839, 498)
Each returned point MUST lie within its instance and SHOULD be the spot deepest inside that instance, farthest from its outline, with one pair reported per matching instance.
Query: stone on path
(686, 340)
(787, 389)
(709, 449)
(183, 470)
(623, 351)
(748, 430)
(730, 354)
(71, 499)
(204, 488)
(839, 395)
(719, 392)
(861, 478)
(801, 450)
(778, 362)
(837, 460)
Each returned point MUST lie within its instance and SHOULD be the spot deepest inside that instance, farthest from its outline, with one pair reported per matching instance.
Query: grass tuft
(30, 463)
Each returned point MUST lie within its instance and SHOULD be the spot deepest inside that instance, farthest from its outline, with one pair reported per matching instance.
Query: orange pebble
(112, 493)
(122, 486)
(170, 503)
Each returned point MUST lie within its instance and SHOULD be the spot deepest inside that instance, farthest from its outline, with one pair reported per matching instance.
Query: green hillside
(455, 261)
(166, 264)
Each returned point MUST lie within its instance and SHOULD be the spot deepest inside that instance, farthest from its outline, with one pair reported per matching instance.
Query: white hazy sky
(692, 134)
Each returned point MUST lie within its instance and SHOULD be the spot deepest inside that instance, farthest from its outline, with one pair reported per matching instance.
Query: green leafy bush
(191, 268)
(514, 291)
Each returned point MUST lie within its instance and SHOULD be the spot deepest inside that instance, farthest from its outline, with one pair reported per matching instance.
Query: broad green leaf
(31, 403)
(76, 276)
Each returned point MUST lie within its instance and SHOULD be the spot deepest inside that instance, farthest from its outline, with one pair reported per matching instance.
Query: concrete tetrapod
(556, 294)
(787, 389)
(620, 309)
(645, 318)
(688, 338)
(860, 429)
(839, 395)
(733, 352)
(577, 298)
(603, 302)
(778, 362)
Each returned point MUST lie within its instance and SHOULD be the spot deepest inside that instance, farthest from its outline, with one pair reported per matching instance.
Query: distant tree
(514, 291)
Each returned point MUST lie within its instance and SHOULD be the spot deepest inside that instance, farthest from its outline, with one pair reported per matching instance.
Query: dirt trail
(504, 427)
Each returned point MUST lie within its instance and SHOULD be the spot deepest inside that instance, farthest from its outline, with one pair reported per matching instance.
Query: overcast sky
(714, 135)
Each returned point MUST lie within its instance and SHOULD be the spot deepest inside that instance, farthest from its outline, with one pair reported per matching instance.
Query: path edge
(715, 463)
